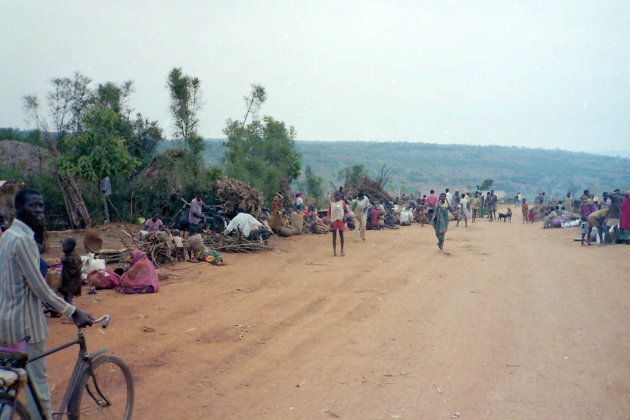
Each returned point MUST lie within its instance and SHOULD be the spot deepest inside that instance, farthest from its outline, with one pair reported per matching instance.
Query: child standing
(374, 213)
(336, 211)
(178, 244)
(531, 217)
(583, 229)
(70, 284)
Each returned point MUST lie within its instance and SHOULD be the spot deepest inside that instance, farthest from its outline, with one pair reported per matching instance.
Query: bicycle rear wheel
(104, 392)
(12, 409)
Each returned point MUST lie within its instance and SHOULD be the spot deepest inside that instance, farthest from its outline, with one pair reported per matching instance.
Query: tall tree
(486, 184)
(254, 101)
(185, 94)
(98, 151)
(262, 153)
(352, 176)
(384, 176)
(144, 138)
(114, 97)
(72, 196)
(68, 101)
(313, 184)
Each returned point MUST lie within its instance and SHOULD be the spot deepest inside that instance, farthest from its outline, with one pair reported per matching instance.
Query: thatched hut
(373, 190)
(23, 157)
(8, 189)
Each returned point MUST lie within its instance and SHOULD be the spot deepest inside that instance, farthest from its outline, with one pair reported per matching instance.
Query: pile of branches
(155, 245)
(234, 194)
(237, 243)
(312, 226)
(373, 190)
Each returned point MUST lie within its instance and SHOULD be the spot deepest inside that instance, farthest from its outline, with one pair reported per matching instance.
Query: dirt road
(511, 322)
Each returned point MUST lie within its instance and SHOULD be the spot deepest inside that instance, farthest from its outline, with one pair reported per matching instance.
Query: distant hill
(420, 166)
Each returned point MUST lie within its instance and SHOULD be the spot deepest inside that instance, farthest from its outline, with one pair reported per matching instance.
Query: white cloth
(243, 222)
(464, 203)
(404, 217)
(336, 210)
(362, 205)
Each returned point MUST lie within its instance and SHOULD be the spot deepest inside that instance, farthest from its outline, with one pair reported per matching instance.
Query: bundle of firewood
(155, 245)
(234, 193)
(225, 243)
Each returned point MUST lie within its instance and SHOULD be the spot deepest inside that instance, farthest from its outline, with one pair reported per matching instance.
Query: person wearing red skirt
(336, 211)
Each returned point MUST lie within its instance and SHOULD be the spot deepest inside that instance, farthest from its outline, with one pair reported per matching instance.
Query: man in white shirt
(449, 196)
(359, 206)
(247, 225)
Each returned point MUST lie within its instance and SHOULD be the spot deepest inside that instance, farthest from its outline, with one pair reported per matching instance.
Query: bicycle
(101, 385)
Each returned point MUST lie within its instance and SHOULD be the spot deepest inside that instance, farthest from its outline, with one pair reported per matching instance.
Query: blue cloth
(43, 267)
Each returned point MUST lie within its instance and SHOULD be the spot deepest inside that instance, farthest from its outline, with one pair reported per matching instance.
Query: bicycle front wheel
(12, 409)
(104, 392)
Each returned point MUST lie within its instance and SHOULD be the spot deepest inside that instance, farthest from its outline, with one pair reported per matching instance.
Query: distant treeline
(419, 165)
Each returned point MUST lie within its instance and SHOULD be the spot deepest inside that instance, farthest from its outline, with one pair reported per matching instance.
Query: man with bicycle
(23, 290)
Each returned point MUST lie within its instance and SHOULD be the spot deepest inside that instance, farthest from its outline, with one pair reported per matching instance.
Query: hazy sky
(552, 74)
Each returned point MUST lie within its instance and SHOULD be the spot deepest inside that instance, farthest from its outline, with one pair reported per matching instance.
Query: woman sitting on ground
(140, 277)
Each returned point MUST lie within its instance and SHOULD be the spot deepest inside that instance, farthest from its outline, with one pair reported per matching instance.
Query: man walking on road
(23, 290)
(492, 206)
(359, 206)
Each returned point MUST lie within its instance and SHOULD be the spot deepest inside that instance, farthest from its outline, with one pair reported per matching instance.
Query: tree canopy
(262, 154)
(185, 92)
(99, 150)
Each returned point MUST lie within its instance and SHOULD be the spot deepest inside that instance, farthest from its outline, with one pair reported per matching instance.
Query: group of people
(365, 214)
(605, 219)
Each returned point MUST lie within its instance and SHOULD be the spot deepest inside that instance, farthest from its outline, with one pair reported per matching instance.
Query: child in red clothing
(531, 216)
(336, 210)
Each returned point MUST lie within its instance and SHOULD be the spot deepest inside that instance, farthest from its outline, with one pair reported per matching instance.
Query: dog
(506, 216)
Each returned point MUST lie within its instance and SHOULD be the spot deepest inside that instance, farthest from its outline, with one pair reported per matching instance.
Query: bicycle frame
(84, 361)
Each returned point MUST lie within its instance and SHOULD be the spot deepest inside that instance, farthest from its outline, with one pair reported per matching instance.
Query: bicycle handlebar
(104, 319)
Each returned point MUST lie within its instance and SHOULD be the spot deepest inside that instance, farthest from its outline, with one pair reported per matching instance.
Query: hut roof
(23, 157)
(8, 189)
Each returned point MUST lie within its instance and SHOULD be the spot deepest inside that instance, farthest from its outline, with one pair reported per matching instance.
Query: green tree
(114, 97)
(185, 94)
(486, 184)
(144, 139)
(254, 101)
(262, 154)
(98, 151)
(68, 100)
(352, 176)
(313, 184)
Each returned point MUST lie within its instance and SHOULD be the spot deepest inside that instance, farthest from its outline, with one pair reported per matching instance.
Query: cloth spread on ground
(103, 279)
(141, 276)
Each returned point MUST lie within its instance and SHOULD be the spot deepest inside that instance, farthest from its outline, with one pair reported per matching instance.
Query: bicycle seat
(12, 377)
(14, 356)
